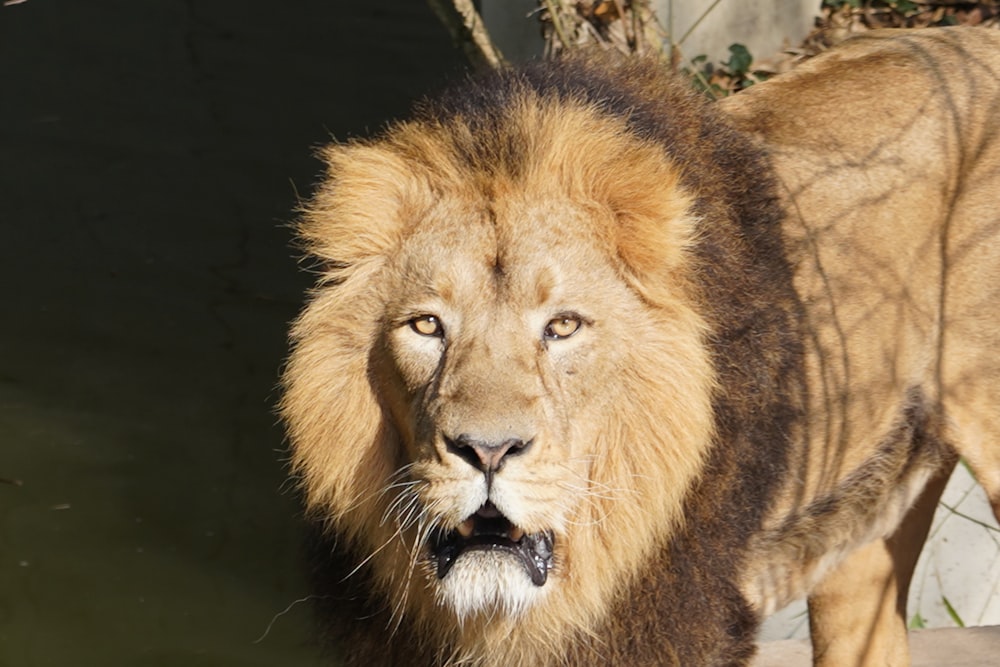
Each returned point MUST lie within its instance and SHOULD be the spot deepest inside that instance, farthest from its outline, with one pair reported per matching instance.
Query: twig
(956, 512)
(467, 29)
(694, 25)
(557, 23)
(630, 35)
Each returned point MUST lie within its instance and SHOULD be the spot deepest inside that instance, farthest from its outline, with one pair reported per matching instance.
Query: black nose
(485, 455)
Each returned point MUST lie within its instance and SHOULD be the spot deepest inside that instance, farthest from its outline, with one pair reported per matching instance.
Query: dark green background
(150, 153)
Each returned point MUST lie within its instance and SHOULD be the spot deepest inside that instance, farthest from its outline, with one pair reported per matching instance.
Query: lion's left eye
(427, 325)
(562, 327)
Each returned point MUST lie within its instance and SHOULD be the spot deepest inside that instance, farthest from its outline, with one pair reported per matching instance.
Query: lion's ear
(654, 222)
(358, 210)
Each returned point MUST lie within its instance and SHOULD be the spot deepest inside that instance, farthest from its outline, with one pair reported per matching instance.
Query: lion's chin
(488, 563)
(490, 583)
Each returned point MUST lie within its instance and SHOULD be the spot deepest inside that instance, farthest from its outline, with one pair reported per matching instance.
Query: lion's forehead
(529, 251)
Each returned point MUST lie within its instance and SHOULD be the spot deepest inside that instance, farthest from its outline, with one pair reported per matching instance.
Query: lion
(597, 372)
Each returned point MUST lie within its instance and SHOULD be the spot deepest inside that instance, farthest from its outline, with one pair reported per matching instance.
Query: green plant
(951, 612)
(725, 78)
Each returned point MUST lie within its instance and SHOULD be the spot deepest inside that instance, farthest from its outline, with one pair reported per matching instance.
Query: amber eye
(427, 325)
(562, 327)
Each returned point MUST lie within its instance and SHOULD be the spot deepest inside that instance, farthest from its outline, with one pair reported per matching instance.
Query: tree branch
(468, 31)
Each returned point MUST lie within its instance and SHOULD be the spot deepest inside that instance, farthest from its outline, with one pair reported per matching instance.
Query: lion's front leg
(857, 613)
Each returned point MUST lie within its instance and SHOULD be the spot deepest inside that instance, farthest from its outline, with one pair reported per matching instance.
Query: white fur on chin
(490, 583)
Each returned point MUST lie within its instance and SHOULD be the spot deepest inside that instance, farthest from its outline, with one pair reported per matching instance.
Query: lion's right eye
(562, 327)
(427, 325)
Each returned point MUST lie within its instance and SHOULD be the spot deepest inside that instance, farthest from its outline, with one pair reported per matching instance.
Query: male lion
(597, 373)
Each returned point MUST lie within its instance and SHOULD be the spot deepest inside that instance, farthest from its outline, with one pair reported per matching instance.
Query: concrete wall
(763, 26)
(514, 30)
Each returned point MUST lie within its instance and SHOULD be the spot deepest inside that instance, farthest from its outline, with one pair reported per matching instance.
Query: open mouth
(489, 530)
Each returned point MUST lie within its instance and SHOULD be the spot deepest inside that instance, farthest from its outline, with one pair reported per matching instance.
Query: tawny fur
(786, 330)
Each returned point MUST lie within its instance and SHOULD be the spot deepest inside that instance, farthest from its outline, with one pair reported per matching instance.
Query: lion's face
(472, 398)
(503, 329)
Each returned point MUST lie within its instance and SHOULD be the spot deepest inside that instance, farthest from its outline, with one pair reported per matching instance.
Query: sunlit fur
(889, 168)
(788, 334)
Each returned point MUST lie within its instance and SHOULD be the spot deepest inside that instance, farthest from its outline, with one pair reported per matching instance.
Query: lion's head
(501, 393)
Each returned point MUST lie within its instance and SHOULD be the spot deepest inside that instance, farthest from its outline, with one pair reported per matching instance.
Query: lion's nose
(485, 455)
